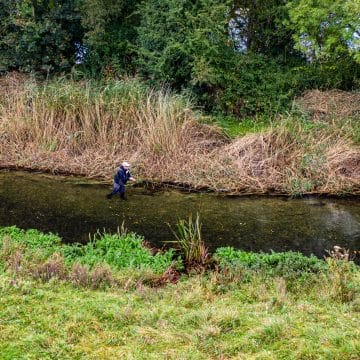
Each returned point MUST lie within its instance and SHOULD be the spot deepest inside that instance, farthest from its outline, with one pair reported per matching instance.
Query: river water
(75, 207)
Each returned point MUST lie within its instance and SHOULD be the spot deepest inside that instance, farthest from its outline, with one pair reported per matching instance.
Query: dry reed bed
(325, 105)
(82, 129)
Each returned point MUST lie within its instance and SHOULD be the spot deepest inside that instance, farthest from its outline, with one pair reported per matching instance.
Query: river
(76, 208)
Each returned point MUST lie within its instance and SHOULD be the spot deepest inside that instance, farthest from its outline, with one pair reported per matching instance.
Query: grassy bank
(89, 127)
(250, 306)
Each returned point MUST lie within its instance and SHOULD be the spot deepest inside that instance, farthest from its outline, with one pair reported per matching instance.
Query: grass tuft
(189, 241)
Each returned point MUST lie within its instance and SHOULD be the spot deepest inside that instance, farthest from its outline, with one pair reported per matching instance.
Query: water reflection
(75, 208)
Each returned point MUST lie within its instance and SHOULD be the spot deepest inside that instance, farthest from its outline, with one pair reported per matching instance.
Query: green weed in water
(189, 241)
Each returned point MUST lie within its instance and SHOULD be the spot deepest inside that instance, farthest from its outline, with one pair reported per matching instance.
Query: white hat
(126, 164)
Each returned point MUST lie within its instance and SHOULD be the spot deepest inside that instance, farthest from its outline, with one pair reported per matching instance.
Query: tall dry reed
(89, 127)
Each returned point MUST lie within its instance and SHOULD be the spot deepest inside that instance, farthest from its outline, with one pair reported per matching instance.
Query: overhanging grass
(82, 127)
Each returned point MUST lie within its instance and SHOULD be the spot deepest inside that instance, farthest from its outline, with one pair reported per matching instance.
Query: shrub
(119, 251)
(286, 264)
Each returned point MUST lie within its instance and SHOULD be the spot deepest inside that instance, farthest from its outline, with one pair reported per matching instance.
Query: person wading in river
(120, 180)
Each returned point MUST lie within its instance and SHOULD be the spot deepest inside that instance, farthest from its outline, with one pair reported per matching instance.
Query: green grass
(233, 127)
(254, 306)
(189, 320)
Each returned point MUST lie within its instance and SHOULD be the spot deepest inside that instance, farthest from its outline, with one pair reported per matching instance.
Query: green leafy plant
(286, 264)
(121, 250)
(189, 241)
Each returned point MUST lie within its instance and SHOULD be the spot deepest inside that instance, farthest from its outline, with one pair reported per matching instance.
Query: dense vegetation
(171, 85)
(235, 56)
(88, 127)
(108, 300)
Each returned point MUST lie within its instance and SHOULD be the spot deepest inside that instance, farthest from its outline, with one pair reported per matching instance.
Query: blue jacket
(122, 176)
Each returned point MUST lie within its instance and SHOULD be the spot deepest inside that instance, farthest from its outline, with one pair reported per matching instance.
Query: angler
(120, 180)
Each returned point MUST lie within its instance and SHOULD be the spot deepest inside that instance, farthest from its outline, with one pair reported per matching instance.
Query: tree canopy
(327, 29)
(39, 35)
(234, 56)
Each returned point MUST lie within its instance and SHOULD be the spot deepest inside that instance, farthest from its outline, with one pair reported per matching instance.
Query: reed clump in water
(189, 241)
(89, 127)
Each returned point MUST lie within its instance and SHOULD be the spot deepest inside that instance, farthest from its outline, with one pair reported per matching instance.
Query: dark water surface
(75, 208)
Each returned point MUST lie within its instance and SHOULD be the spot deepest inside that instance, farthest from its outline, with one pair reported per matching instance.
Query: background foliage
(237, 57)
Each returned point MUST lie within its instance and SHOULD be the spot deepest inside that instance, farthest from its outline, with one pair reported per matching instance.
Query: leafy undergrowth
(287, 264)
(95, 264)
(98, 301)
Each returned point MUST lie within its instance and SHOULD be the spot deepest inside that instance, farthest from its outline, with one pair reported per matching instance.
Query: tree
(191, 45)
(39, 35)
(163, 55)
(260, 26)
(109, 35)
(326, 30)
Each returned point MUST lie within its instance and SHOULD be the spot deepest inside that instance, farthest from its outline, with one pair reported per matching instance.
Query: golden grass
(325, 105)
(86, 128)
(297, 161)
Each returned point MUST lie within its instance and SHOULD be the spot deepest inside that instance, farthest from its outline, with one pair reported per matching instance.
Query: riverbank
(83, 303)
(88, 128)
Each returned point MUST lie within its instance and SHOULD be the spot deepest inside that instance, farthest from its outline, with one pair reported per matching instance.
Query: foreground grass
(189, 320)
(56, 302)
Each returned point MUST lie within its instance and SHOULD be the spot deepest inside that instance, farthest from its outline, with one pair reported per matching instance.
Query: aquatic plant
(189, 242)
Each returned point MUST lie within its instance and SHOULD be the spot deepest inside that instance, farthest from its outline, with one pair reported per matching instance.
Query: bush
(286, 264)
(118, 251)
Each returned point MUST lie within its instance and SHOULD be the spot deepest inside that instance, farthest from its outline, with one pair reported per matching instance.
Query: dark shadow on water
(75, 208)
